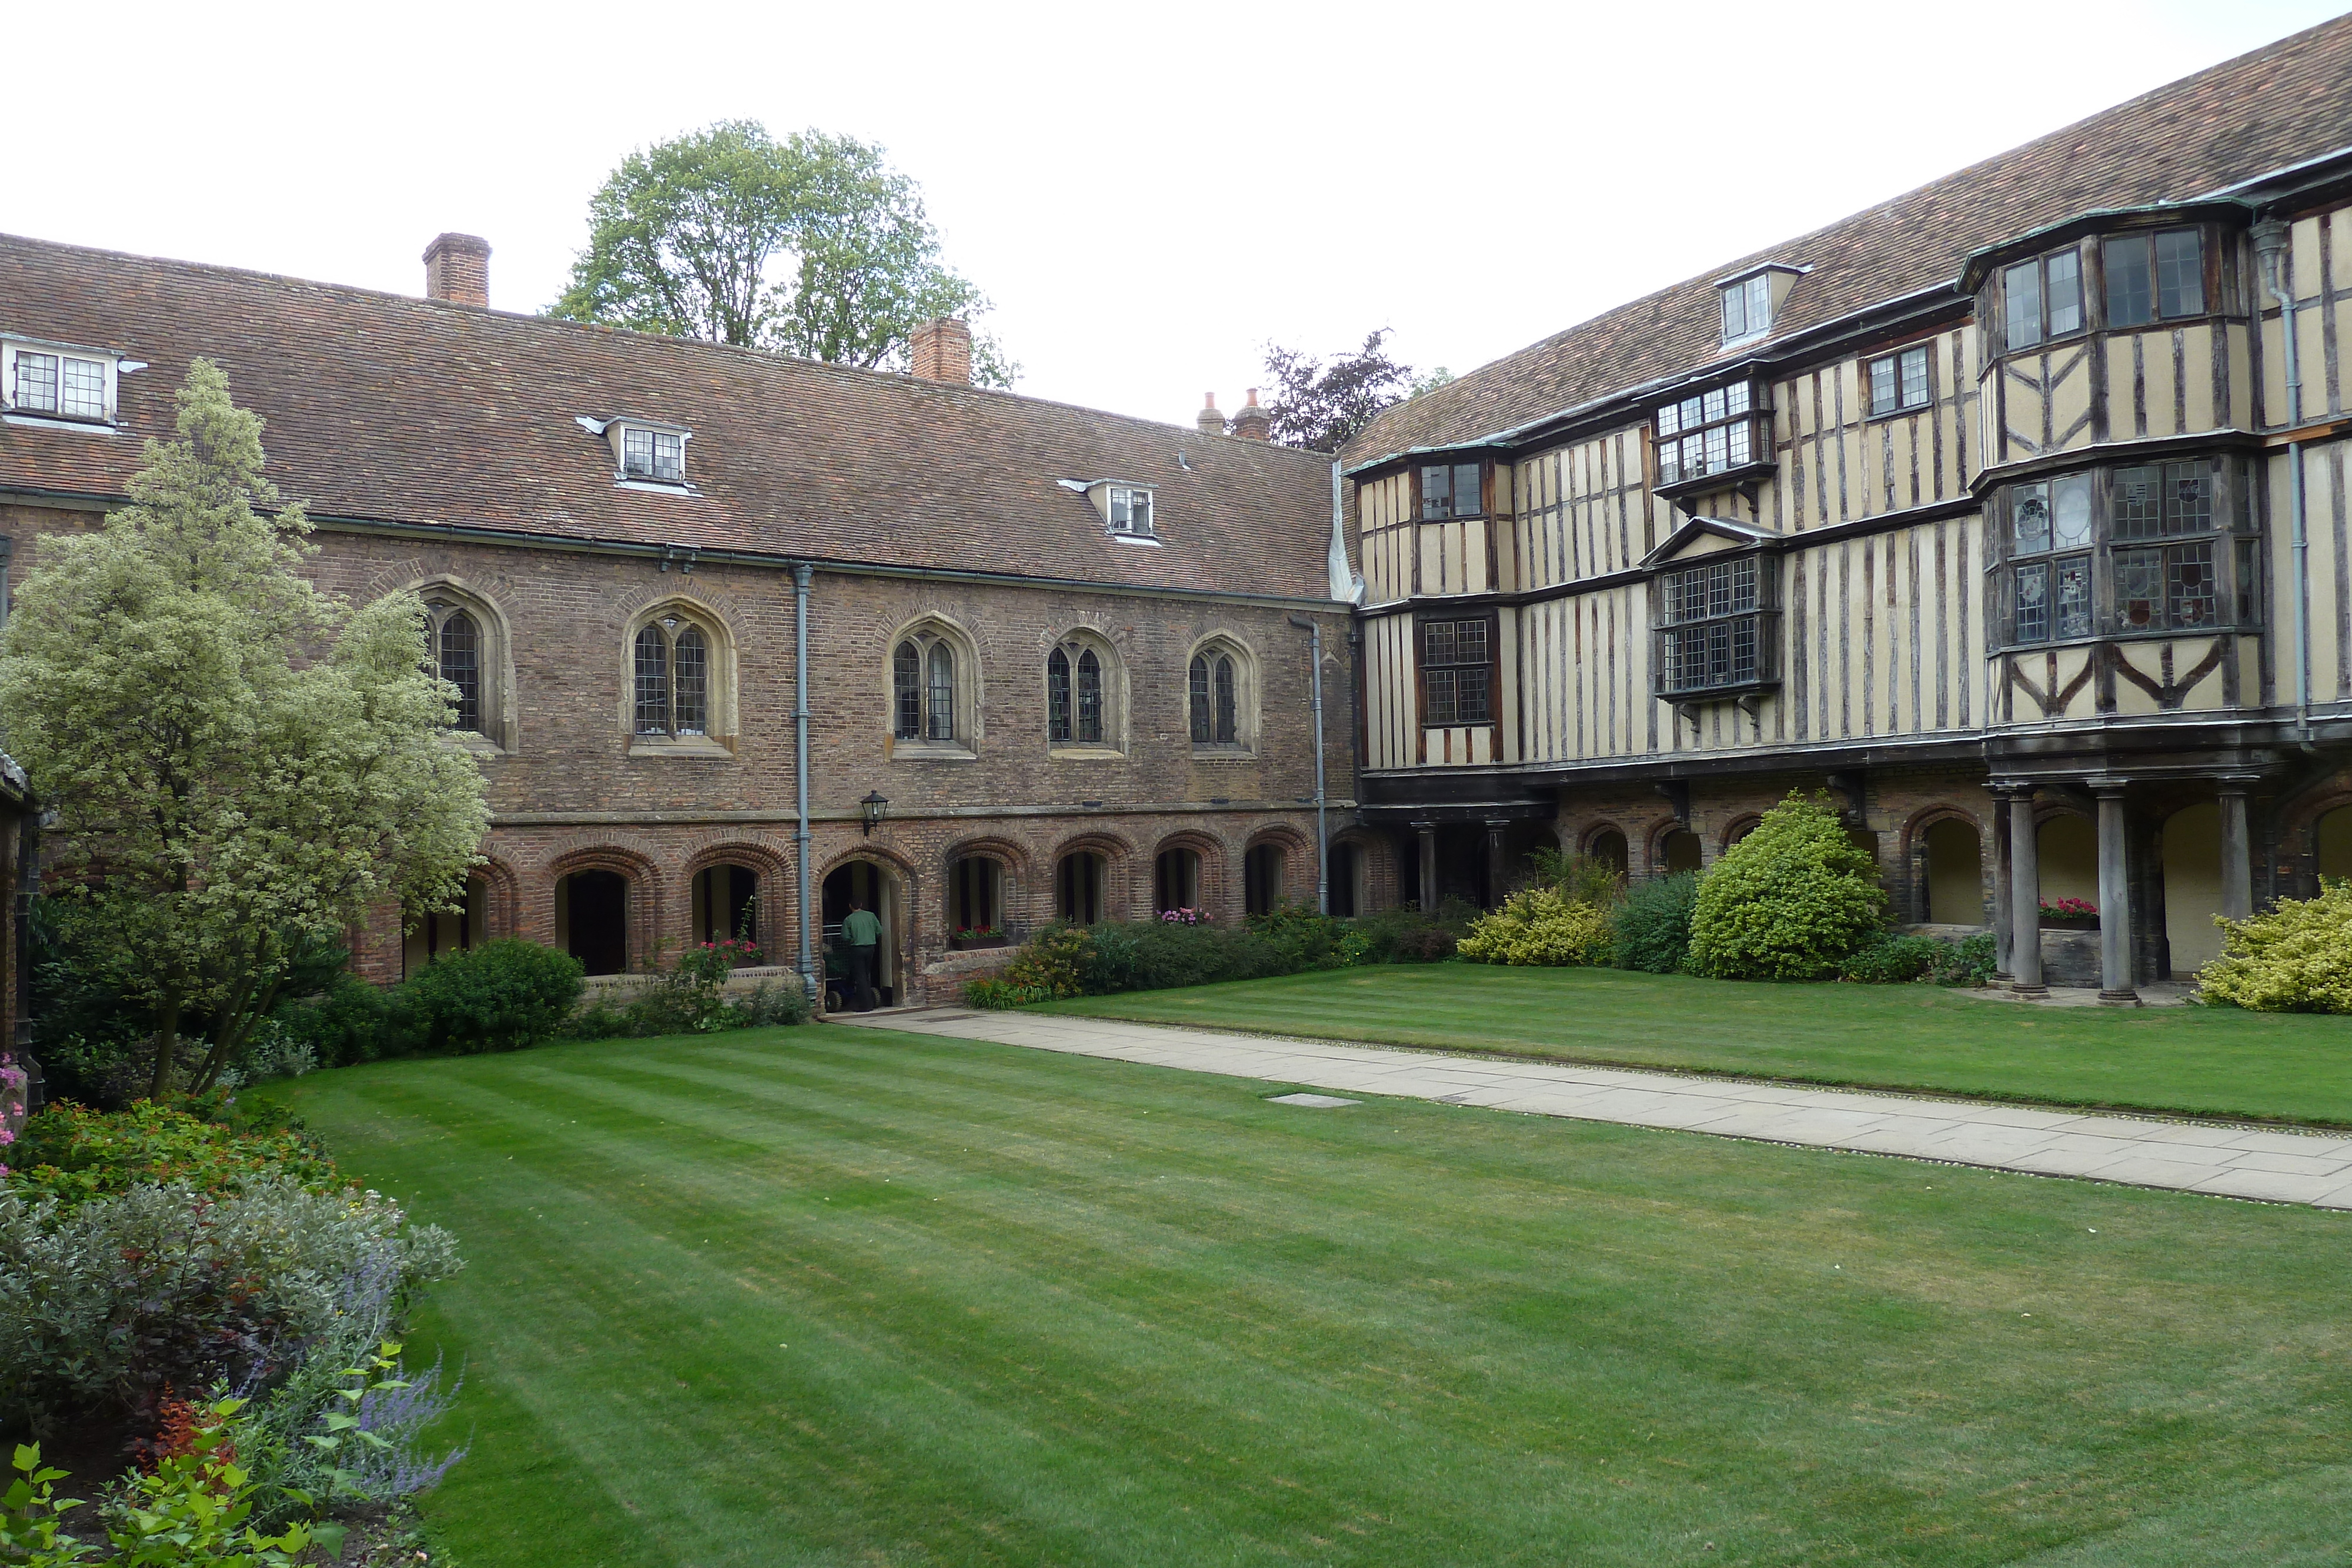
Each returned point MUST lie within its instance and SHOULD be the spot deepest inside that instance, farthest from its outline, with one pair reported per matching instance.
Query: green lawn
(829, 1296)
(2215, 1061)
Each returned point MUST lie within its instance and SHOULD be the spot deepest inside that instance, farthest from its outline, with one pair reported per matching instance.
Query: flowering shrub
(2070, 909)
(2295, 959)
(736, 951)
(1788, 902)
(73, 1154)
(1184, 917)
(977, 932)
(1539, 926)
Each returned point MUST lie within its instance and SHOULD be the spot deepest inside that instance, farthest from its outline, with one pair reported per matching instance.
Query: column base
(2126, 998)
(2033, 991)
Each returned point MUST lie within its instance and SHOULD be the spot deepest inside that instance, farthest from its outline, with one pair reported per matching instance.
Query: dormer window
(1130, 511)
(1747, 308)
(50, 381)
(656, 454)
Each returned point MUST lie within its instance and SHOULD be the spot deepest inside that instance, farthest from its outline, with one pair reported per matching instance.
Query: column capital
(2107, 786)
(2236, 783)
(2014, 789)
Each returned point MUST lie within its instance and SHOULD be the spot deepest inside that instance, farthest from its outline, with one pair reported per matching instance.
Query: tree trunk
(167, 1045)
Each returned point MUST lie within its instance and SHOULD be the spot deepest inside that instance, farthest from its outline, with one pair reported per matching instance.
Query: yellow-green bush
(2295, 959)
(1788, 902)
(1539, 926)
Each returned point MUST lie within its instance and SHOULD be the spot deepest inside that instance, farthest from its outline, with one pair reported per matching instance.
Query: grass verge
(2219, 1061)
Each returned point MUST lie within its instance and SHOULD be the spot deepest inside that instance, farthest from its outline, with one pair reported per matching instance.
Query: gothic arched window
(456, 644)
(672, 662)
(1216, 703)
(1074, 696)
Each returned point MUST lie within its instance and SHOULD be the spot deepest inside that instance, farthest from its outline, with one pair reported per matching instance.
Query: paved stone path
(2193, 1156)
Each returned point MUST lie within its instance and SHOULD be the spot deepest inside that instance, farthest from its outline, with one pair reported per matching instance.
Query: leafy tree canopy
(241, 765)
(1321, 406)
(813, 246)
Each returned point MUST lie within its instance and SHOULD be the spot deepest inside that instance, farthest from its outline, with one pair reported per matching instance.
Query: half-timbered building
(2012, 512)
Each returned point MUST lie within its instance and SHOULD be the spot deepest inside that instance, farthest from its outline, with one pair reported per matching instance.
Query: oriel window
(2043, 298)
(1451, 490)
(1717, 626)
(1710, 432)
(1457, 672)
(2154, 277)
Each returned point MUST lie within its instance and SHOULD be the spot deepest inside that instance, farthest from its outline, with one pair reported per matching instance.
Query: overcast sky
(1148, 195)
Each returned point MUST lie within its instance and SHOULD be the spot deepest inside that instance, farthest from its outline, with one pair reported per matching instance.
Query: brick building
(2011, 511)
(1055, 658)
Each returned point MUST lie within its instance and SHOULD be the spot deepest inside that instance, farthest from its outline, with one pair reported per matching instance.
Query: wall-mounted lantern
(877, 805)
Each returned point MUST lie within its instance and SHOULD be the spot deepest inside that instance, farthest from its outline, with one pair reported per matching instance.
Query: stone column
(2115, 899)
(2025, 896)
(1428, 836)
(2237, 858)
(2001, 932)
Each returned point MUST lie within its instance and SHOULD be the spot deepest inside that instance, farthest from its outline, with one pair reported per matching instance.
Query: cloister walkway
(2231, 1160)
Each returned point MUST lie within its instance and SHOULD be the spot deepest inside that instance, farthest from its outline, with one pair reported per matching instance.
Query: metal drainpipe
(801, 574)
(1322, 838)
(2271, 236)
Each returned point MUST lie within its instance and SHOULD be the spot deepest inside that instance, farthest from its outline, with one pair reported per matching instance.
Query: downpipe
(801, 575)
(1322, 838)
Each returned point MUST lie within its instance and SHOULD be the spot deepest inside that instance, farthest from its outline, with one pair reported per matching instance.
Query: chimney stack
(457, 269)
(1209, 422)
(1252, 423)
(941, 351)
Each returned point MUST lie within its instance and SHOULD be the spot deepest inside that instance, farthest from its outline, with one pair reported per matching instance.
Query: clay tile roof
(2277, 105)
(387, 408)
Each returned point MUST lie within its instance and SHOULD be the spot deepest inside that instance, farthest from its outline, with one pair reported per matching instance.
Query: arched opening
(2333, 836)
(1746, 825)
(592, 920)
(1261, 878)
(1607, 846)
(975, 897)
(1176, 881)
(1081, 880)
(869, 885)
(671, 664)
(1079, 692)
(1680, 851)
(2192, 886)
(1345, 870)
(1954, 873)
(934, 689)
(1217, 698)
(1861, 838)
(449, 931)
(2067, 851)
(727, 903)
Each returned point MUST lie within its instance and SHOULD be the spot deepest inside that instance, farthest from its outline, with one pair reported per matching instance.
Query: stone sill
(701, 747)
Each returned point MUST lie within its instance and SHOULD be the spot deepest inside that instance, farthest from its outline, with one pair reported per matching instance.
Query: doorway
(1262, 870)
(1679, 849)
(1080, 878)
(592, 920)
(1954, 873)
(2192, 887)
(876, 887)
(1175, 881)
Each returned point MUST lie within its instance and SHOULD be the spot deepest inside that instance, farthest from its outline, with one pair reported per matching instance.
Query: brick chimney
(1209, 422)
(941, 351)
(1251, 423)
(457, 269)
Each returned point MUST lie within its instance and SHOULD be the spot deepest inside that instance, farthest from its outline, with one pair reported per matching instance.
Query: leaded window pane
(637, 452)
(1694, 456)
(1670, 462)
(2065, 290)
(1468, 502)
(2190, 587)
(2070, 511)
(2139, 503)
(1734, 314)
(1470, 695)
(2075, 596)
(1741, 451)
(1883, 391)
(1734, 399)
(2139, 589)
(2129, 301)
(1914, 378)
(1438, 684)
(1436, 492)
(2028, 519)
(939, 704)
(1694, 413)
(1228, 703)
(1670, 420)
(1718, 450)
(1438, 644)
(2180, 274)
(82, 392)
(1090, 697)
(1057, 696)
(2188, 497)
(1760, 302)
(1470, 643)
(693, 660)
(461, 667)
(1743, 649)
(653, 683)
(906, 691)
(2034, 601)
(2021, 288)
(36, 382)
(1199, 700)
(1712, 403)
(2249, 584)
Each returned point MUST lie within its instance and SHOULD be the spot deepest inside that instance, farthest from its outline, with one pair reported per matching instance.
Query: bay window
(2156, 548)
(1717, 626)
(1720, 431)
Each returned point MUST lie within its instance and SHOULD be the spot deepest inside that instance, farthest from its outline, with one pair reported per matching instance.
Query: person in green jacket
(863, 933)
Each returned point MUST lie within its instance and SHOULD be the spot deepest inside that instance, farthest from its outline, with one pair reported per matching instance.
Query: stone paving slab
(2221, 1158)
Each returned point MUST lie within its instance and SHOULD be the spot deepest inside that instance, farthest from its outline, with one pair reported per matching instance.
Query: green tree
(813, 246)
(1788, 902)
(240, 764)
